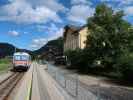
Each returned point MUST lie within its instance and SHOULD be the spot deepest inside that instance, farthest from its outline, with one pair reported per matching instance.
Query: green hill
(56, 46)
(57, 43)
(52, 48)
(6, 49)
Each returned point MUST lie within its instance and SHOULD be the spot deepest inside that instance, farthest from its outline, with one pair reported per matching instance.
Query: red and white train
(21, 61)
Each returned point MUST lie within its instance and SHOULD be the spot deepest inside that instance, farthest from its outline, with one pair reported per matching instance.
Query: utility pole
(15, 50)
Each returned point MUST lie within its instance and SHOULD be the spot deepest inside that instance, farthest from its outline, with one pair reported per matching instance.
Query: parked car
(60, 60)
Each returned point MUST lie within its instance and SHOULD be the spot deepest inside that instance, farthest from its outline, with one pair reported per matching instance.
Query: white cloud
(121, 2)
(128, 10)
(56, 34)
(75, 2)
(53, 32)
(40, 28)
(50, 28)
(51, 4)
(127, 1)
(22, 11)
(13, 33)
(26, 32)
(38, 43)
(79, 13)
(111, 0)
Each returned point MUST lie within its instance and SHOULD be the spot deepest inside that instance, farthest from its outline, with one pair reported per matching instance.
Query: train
(21, 61)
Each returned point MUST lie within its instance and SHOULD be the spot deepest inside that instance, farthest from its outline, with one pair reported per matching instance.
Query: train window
(20, 57)
(17, 57)
(24, 58)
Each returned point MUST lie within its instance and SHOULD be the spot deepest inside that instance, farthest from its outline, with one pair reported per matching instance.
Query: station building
(74, 37)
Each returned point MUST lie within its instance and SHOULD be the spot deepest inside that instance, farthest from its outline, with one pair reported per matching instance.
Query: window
(17, 58)
(24, 58)
(21, 57)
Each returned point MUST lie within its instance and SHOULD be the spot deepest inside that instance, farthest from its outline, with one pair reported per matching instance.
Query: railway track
(7, 85)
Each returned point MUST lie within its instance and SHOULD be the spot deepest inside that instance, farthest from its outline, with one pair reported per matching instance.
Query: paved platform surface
(48, 87)
(23, 92)
(44, 87)
(35, 86)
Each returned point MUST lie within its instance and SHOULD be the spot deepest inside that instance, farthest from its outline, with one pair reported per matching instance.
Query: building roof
(72, 29)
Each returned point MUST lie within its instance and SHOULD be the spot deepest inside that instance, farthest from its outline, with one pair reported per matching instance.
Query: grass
(5, 64)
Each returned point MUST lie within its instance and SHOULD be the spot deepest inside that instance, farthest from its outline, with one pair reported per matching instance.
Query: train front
(21, 61)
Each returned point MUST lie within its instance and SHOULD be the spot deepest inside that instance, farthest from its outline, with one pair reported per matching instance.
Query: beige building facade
(74, 37)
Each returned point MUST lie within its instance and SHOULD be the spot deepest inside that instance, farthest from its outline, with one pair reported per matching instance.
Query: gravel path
(110, 93)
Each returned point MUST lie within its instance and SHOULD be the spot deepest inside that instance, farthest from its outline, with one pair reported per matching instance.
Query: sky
(29, 24)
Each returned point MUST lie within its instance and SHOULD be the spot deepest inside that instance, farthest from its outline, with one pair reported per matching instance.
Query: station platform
(37, 84)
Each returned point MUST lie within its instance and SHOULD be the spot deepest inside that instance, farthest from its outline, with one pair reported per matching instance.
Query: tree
(79, 59)
(109, 41)
(109, 35)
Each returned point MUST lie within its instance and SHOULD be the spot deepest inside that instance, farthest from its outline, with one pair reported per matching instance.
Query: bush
(80, 59)
(125, 66)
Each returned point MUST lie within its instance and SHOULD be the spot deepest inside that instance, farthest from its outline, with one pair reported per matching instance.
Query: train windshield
(24, 58)
(21, 57)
